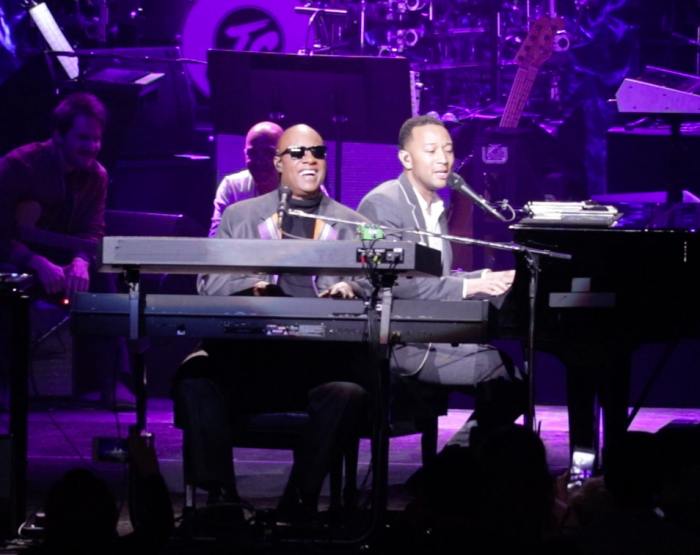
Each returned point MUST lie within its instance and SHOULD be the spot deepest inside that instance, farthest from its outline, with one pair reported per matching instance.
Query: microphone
(285, 193)
(456, 182)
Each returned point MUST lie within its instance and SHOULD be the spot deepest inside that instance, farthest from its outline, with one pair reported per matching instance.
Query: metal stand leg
(533, 265)
(381, 451)
(139, 372)
(139, 369)
(19, 373)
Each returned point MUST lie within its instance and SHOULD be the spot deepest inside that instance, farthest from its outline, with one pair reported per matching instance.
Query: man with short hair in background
(259, 177)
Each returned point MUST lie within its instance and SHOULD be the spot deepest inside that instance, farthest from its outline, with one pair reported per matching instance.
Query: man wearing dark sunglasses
(224, 379)
(411, 202)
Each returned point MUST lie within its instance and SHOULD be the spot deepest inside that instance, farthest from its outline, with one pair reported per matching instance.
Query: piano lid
(630, 210)
(659, 215)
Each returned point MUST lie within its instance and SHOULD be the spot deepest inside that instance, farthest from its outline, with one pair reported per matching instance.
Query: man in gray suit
(224, 380)
(411, 202)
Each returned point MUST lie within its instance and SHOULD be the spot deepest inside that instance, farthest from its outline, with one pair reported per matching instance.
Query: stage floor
(61, 432)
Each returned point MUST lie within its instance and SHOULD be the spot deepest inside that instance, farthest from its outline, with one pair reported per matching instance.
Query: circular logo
(250, 30)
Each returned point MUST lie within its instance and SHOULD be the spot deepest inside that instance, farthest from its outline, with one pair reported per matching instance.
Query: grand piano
(624, 286)
(628, 283)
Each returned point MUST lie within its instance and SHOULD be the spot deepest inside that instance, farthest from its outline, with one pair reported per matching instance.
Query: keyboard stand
(17, 300)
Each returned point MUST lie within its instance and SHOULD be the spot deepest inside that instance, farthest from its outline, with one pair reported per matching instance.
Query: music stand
(349, 98)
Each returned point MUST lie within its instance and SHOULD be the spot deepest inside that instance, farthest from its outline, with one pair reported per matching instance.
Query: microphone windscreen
(455, 181)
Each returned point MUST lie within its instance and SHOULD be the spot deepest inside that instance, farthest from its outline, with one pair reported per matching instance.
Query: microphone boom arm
(453, 238)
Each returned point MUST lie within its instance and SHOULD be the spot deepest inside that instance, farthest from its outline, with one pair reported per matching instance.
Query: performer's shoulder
(240, 181)
(252, 205)
(28, 161)
(335, 209)
(29, 153)
(387, 189)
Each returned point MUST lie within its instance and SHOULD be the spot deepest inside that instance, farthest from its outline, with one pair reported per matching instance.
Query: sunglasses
(298, 152)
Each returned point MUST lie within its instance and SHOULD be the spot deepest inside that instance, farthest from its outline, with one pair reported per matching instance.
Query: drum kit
(452, 43)
(455, 42)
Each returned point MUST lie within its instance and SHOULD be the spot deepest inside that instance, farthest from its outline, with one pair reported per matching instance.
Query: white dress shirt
(431, 214)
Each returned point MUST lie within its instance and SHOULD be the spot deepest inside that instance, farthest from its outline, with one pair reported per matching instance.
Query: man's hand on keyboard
(506, 277)
(265, 289)
(493, 283)
(340, 289)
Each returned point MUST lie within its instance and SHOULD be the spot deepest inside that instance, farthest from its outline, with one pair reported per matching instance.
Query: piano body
(634, 283)
(624, 286)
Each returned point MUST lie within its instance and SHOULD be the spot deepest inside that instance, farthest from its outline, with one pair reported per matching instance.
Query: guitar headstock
(537, 46)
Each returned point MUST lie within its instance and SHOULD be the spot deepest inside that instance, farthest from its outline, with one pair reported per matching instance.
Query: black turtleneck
(300, 286)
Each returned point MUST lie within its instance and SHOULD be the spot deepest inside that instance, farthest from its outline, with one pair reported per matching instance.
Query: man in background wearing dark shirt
(59, 186)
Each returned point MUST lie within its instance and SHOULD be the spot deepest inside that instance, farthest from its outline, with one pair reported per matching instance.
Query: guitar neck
(524, 79)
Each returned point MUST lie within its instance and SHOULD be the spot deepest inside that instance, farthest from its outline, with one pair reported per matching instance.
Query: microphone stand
(379, 309)
(532, 260)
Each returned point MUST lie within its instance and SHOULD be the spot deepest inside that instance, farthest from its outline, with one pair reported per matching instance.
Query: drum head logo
(250, 30)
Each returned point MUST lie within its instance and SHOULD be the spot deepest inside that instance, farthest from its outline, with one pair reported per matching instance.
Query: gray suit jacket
(252, 219)
(394, 203)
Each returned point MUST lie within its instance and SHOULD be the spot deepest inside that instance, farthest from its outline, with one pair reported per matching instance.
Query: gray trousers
(479, 370)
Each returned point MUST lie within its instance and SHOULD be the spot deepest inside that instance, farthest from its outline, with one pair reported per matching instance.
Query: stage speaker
(638, 160)
(364, 165)
(158, 124)
(519, 165)
(173, 185)
(144, 224)
(502, 169)
(161, 123)
(51, 359)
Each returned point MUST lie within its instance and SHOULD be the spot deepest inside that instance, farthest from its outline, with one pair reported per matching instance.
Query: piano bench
(426, 426)
(277, 431)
